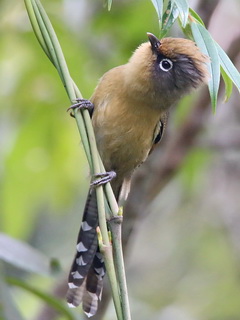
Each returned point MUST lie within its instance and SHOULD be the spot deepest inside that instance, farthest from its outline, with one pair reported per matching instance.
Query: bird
(129, 110)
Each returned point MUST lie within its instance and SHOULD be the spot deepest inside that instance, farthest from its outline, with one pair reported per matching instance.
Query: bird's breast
(124, 134)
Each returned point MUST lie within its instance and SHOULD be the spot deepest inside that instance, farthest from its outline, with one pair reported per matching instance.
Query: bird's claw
(103, 178)
(81, 104)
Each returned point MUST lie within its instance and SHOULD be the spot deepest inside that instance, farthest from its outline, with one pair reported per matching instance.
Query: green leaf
(196, 16)
(158, 5)
(208, 47)
(23, 256)
(228, 66)
(183, 8)
(169, 17)
(50, 300)
(228, 84)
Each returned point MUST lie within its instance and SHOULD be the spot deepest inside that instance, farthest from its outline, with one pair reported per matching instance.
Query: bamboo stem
(48, 40)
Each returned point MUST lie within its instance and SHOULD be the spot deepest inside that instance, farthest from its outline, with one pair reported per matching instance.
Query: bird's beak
(155, 42)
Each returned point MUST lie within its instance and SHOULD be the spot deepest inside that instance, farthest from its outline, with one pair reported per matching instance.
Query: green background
(183, 263)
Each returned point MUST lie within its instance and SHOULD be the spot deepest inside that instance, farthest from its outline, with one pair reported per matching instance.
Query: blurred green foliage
(44, 174)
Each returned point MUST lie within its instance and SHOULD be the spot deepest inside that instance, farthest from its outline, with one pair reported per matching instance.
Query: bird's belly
(124, 151)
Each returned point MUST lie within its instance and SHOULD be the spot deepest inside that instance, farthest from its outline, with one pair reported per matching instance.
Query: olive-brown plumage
(131, 104)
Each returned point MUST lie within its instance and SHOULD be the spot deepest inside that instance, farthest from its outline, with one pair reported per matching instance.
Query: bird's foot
(103, 178)
(81, 104)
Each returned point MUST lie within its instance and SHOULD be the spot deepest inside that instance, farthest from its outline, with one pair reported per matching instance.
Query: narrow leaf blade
(169, 17)
(208, 47)
(23, 256)
(228, 84)
(158, 5)
(50, 300)
(196, 16)
(183, 8)
(228, 66)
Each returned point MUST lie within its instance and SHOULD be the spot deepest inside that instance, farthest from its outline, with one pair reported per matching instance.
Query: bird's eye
(166, 64)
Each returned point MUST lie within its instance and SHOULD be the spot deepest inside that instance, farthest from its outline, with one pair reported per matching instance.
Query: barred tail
(86, 275)
(87, 272)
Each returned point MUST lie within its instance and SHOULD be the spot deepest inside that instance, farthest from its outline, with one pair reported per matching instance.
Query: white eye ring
(166, 64)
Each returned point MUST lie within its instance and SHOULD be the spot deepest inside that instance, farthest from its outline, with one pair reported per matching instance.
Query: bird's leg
(81, 104)
(103, 178)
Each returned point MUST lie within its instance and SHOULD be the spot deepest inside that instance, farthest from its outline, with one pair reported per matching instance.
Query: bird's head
(169, 67)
